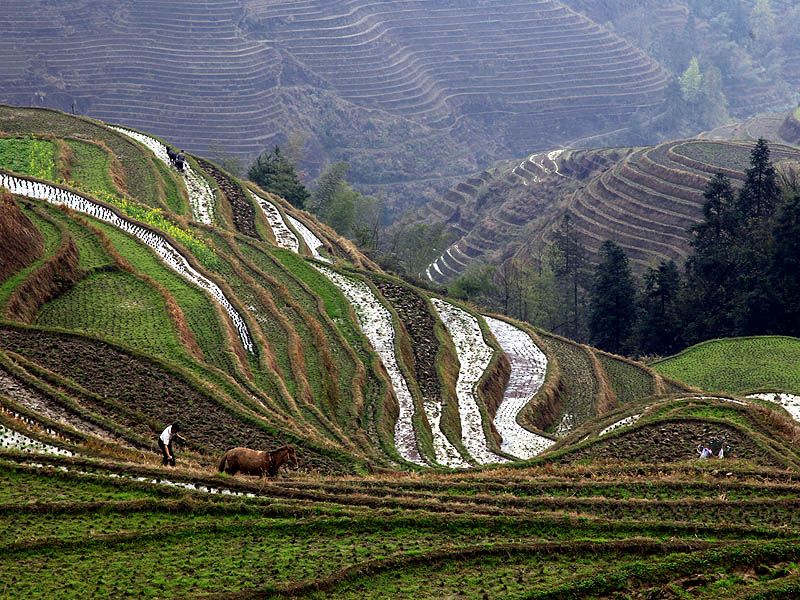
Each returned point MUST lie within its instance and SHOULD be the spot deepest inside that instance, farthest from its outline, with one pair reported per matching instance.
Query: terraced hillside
(499, 211)
(154, 293)
(738, 365)
(547, 531)
(403, 91)
(645, 199)
(442, 452)
(781, 127)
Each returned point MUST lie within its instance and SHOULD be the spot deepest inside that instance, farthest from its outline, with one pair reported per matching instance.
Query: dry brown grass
(65, 158)
(224, 209)
(21, 243)
(447, 366)
(57, 275)
(493, 386)
(606, 399)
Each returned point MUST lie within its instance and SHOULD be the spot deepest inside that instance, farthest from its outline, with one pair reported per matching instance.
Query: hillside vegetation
(644, 199)
(442, 451)
(737, 365)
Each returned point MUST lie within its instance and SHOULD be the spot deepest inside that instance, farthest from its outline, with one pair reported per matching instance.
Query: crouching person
(165, 443)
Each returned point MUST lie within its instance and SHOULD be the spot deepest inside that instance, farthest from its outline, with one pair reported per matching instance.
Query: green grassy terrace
(739, 365)
(564, 532)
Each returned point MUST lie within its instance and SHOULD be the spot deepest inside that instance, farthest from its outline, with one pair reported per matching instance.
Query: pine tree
(756, 204)
(760, 194)
(659, 328)
(612, 305)
(708, 302)
(273, 173)
(784, 269)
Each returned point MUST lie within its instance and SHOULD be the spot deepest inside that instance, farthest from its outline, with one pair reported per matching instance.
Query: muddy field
(150, 390)
(672, 441)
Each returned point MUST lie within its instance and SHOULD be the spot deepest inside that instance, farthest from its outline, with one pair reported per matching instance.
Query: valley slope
(643, 198)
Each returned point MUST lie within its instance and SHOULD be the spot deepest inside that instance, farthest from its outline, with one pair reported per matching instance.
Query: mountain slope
(645, 199)
(539, 467)
(224, 306)
(403, 91)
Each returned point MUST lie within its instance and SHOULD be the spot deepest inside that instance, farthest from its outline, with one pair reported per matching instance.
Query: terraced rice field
(168, 253)
(442, 453)
(376, 323)
(644, 199)
(528, 369)
(737, 365)
(474, 355)
(201, 197)
(563, 532)
(225, 75)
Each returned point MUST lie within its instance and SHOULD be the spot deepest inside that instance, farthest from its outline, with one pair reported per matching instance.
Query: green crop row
(28, 156)
(286, 331)
(339, 311)
(267, 321)
(91, 166)
(729, 156)
(510, 575)
(20, 486)
(91, 253)
(737, 365)
(674, 567)
(118, 306)
(198, 309)
(175, 199)
(157, 219)
(628, 381)
(140, 177)
(34, 157)
(304, 308)
(580, 397)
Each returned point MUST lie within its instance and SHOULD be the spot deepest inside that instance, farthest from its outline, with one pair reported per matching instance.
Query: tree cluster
(742, 277)
(275, 173)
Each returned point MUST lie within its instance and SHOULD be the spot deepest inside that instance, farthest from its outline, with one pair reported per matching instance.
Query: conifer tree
(784, 268)
(659, 327)
(570, 267)
(756, 204)
(708, 302)
(760, 194)
(612, 305)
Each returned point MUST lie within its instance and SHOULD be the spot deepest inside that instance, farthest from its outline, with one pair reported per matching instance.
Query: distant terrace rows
(645, 201)
(177, 68)
(422, 63)
(517, 198)
(203, 73)
(649, 200)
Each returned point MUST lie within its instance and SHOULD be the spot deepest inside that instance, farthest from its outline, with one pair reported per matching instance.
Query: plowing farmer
(165, 443)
